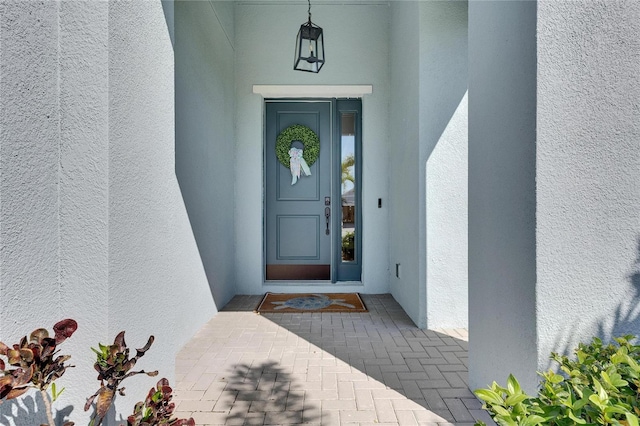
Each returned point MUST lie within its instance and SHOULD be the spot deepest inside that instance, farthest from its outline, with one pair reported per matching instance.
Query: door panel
(290, 245)
(298, 246)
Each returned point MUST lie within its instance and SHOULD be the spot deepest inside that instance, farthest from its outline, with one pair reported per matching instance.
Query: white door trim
(312, 91)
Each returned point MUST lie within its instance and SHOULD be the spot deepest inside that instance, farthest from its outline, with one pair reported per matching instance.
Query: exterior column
(554, 168)
(502, 192)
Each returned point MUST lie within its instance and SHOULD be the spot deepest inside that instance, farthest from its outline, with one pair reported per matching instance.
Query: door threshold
(312, 286)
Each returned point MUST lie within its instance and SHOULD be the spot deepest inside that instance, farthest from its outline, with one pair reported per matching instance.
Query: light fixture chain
(309, 11)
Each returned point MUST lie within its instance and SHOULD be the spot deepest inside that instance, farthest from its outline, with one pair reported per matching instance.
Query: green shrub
(600, 387)
(348, 246)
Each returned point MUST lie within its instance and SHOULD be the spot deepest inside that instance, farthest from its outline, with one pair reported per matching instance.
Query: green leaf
(505, 421)
(615, 409)
(501, 410)
(581, 403)
(581, 356)
(575, 419)
(602, 393)
(632, 420)
(617, 381)
(633, 364)
(619, 358)
(54, 391)
(489, 396)
(555, 378)
(515, 399)
(532, 420)
(595, 399)
(513, 386)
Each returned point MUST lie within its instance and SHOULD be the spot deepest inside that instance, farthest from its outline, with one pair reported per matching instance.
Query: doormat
(311, 302)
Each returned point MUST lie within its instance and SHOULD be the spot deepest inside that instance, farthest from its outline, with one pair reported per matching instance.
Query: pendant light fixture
(309, 47)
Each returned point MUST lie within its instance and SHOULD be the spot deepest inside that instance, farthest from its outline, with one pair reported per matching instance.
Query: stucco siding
(588, 172)
(443, 160)
(83, 188)
(92, 223)
(29, 158)
(554, 206)
(53, 184)
(157, 283)
(428, 190)
(502, 193)
(405, 201)
(205, 137)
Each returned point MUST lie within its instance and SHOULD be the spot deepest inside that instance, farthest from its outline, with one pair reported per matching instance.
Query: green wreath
(301, 133)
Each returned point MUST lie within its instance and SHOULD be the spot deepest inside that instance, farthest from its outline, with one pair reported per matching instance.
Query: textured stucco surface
(258, 62)
(588, 172)
(83, 186)
(554, 174)
(428, 199)
(205, 136)
(502, 192)
(92, 223)
(447, 248)
(29, 158)
(155, 271)
(443, 160)
(404, 187)
(53, 169)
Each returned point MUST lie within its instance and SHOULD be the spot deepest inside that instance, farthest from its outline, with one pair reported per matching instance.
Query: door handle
(327, 215)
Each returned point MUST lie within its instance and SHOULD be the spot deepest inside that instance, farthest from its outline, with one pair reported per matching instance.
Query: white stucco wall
(588, 172)
(428, 222)
(264, 45)
(29, 158)
(502, 192)
(406, 229)
(83, 185)
(443, 155)
(205, 135)
(554, 206)
(53, 185)
(92, 223)
(153, 256)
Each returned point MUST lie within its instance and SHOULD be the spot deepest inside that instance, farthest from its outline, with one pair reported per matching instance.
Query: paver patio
(374, 368)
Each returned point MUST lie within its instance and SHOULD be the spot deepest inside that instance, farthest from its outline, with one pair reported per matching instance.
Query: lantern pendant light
(309, 47)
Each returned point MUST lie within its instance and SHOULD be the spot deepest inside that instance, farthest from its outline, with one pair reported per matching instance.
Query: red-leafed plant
(36, 363)
(157, 409)
(113, 366)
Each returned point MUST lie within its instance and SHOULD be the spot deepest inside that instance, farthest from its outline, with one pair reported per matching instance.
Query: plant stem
(47, 404)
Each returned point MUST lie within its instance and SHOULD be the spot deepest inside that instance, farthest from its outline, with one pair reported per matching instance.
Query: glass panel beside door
(348, 186)
(349, 147)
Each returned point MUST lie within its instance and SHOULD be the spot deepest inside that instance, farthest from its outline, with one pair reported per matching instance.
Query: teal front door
(298, 209)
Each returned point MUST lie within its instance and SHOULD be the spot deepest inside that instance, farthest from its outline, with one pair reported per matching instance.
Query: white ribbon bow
(296, 163)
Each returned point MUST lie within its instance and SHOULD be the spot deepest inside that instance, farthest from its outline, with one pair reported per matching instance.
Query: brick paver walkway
(372, 368)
